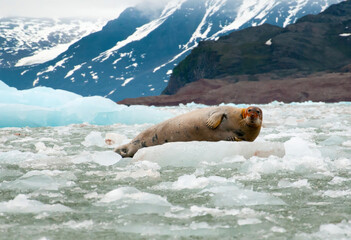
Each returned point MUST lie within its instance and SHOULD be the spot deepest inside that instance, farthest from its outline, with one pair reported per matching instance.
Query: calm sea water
(66, 183)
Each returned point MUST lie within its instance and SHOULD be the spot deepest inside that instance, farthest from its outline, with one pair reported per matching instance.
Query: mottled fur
(207, 124)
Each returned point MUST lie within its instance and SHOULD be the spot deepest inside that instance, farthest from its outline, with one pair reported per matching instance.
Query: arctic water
(60, 179)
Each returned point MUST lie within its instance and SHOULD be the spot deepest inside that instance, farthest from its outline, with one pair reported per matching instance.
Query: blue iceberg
(43, 106)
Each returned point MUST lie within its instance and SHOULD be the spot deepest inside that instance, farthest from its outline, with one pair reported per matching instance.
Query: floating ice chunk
(337, 193)
(347, 143)
(21, 204)
(106, 158)
(292, 121)
(278, 229)
(79, 225)
(41, 180)
(332, 141)
(91, 195)
(298, 184)
(338, 180)
(140, 170)
(196, 211)
(9, 173)
(43, 106)
(248, 221)
(193, 153)
(131, 194)
(274, 164)
(201, 211)
(193, 182)
(94, 139)
(229, 196)
(15, 157)
(190, 182)
(115, 139)
(133, 201)
(40, 147)
(297, 147)
(84, 157)
(342, 163)
(340, 231)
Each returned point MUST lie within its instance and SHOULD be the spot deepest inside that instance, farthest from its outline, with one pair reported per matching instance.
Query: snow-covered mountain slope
(26, 41)
(134, 54)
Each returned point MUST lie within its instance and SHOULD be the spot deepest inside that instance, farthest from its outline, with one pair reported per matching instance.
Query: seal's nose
(253, 116)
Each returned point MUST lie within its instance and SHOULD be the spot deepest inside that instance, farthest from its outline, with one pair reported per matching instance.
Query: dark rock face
(325, 87)
(315, 43)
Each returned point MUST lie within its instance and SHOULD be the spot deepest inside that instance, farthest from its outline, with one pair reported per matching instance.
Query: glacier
(44, 106)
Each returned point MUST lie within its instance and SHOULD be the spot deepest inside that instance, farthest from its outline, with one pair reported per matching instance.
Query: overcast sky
(67, 8)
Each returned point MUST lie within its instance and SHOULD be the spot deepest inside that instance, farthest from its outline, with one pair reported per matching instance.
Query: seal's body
(207, 124)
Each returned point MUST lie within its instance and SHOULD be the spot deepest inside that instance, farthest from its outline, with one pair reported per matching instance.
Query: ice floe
(341, 230)
(133, 201)
(43, 106)
(106, 158)
(21, 204)
(230, 196)
(41, 180)
(193, 153)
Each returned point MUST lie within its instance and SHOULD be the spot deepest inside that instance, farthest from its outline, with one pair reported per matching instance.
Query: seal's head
(252, 116)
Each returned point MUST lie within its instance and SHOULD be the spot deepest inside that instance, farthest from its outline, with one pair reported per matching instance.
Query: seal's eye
(258, 112)
(249, 110)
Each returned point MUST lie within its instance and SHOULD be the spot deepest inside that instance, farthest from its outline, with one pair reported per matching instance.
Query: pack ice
(292, 182)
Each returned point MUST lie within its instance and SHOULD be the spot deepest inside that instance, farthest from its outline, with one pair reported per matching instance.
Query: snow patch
(45, 55)
(293, 11)
(127, 81)
(269, 42)
(75, 68)
(247, 11)
(143, 31)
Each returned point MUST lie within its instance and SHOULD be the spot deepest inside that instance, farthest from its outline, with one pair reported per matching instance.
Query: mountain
(314, 43)
(308, 60)
(27, 41)
(134, 55)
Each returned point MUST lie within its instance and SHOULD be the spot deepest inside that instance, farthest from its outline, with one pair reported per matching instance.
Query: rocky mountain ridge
(134, 55)
(314, 43)
(308, 60)
(26, 41)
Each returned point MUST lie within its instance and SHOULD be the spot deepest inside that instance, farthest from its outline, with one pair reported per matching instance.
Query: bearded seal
(206, 124)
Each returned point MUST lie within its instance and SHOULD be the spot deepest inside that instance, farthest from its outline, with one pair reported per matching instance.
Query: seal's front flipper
(215, 120)
(237, 139)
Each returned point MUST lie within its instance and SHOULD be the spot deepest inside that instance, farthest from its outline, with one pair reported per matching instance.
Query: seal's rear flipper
(122, 150)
